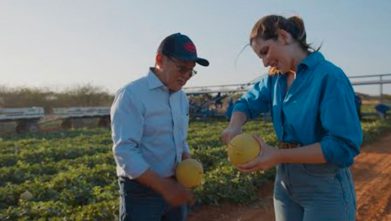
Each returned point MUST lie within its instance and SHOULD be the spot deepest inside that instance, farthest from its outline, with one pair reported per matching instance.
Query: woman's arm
(234, 128)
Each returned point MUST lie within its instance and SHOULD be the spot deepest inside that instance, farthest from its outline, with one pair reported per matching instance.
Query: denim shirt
(318, 107)
(149, 127)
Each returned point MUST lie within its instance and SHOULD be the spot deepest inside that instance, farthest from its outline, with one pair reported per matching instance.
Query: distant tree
(80, 96)
(83, 96)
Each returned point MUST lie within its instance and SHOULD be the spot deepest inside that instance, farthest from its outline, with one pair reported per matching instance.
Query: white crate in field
(66, 112)
(21, 113)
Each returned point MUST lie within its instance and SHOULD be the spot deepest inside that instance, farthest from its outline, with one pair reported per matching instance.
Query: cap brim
(202, 61)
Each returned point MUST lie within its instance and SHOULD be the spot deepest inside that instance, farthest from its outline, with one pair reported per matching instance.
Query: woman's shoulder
(327, 69)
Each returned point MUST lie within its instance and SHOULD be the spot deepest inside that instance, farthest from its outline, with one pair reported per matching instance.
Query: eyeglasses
(182, 69)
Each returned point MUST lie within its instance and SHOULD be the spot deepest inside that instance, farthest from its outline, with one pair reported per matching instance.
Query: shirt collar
(311, 60)
(153, 80)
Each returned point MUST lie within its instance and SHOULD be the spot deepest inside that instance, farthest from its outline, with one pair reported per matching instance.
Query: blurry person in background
(150, 119)
(381, 110)
(315, 120)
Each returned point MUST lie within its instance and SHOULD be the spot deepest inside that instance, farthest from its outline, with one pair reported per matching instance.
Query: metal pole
(381, 88)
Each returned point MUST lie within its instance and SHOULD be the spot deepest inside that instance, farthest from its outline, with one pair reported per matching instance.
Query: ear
(159, 59)
(284, 36)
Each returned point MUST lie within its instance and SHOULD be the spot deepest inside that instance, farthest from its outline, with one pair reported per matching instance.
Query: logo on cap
(189, 46)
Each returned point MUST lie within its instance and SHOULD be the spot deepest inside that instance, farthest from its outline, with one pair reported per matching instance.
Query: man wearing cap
(149, 122)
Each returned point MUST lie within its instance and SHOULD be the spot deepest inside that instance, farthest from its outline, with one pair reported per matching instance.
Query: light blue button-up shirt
(149, 127)
(318, 107)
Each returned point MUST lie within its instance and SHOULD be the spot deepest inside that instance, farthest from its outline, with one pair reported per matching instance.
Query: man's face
(175, 73)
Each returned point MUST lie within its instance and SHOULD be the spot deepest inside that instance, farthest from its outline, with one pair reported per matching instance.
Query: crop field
(70, 175)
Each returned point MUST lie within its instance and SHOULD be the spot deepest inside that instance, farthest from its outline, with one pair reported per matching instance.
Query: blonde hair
(273, 71)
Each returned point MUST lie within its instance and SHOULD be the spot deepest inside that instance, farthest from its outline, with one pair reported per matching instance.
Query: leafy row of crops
(70, 175)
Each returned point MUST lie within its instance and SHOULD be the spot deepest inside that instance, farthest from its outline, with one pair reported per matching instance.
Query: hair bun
(299, 24)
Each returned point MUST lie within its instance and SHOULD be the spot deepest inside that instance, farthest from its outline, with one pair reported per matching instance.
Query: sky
(59, 44)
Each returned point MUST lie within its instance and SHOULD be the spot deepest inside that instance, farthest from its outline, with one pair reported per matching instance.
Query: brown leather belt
(283, 145)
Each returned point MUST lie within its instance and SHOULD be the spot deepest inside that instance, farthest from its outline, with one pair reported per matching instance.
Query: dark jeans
(141, 203)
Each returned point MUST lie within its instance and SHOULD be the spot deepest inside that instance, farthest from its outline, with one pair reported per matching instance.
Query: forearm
(234, 128)
(152, 180)
(311, 154)
(237, 120)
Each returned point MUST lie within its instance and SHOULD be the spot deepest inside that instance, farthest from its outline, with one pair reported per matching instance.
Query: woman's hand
(234, 128)
(229, 133)
(267, 158)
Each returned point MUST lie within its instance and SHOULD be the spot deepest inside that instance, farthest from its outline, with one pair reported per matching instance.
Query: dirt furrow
(372, 178)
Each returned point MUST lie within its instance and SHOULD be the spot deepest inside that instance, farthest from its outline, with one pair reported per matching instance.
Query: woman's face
(274, 53)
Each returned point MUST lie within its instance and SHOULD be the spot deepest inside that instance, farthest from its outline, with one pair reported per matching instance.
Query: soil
(372, 177)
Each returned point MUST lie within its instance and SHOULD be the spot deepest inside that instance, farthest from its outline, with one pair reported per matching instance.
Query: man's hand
(186, 155)
(176, 194)
(173, 192)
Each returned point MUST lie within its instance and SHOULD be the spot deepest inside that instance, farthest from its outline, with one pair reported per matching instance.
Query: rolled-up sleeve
(127, 129)
(340, 122)
(256, 100)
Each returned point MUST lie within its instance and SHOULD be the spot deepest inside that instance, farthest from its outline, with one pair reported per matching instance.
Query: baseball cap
(181, 47)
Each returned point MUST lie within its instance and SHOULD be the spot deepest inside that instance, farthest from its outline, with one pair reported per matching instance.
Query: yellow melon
(189, 173)
(242, 149)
